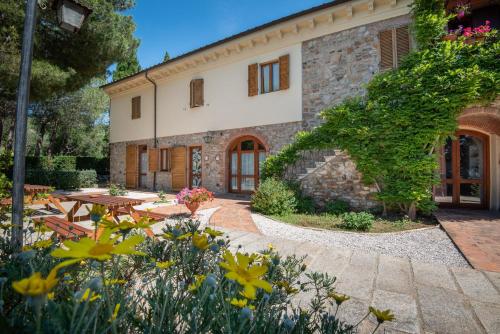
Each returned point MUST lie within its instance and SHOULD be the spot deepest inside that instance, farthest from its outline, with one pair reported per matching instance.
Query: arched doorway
(246, 155)
(464, 171)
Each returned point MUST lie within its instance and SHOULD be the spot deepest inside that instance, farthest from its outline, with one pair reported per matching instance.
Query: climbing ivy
(392, 133)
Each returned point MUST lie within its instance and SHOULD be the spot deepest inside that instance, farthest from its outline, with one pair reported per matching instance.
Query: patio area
(476, 233)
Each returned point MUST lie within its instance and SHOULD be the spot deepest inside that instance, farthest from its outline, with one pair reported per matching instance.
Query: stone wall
(215, 159)
(338, 178)
(337, 66)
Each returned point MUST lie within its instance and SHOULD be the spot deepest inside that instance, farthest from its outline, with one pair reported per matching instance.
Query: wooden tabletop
(106, 200)
(35, 188)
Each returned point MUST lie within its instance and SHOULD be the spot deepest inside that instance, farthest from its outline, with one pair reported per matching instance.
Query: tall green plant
(392, 133)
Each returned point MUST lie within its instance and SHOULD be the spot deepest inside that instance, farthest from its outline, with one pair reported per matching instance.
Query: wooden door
(195, 166)
(178, 168)
(131, 166)
(465, 171)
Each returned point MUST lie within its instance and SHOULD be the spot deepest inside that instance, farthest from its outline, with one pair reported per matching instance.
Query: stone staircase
(328, 175)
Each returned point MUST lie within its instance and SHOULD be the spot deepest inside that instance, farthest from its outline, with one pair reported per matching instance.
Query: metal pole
(23, 93)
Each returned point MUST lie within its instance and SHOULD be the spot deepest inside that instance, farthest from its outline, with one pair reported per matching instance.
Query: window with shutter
(284, 69)
(136, 107)
(253, 84)
(165, 160)
(196, 93)
(394, 45)
(153, 159)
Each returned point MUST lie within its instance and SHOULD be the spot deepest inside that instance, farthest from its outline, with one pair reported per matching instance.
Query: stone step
(319, 164)
(301, 176)
(310, 170)
(329, 157)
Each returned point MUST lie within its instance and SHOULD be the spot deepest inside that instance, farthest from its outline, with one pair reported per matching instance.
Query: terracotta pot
(192, 207)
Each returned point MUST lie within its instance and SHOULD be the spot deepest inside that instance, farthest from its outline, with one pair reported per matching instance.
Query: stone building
(211, 116)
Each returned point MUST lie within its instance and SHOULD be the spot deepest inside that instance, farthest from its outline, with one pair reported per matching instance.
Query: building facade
(210, 117)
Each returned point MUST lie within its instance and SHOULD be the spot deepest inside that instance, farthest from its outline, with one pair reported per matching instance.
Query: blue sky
(181, 26)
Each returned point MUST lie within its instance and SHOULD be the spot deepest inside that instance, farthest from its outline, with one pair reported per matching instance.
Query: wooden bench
(63, 228)
(158, 217)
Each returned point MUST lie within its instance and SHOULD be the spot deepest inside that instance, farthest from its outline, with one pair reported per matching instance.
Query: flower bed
(185, 280)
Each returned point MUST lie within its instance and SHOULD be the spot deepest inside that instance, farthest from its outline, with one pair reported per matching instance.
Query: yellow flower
(101, 250)
(35, 285)
(382, 316)
(50, 295)
(339, 299)
(197, 282)
(126, 225)
(96, 212)
(289, 290)
(172, 236)
(241, 303)
(270, 246)
(43, 244)
(87, 295)
(114, 281)
(200, 241)
(115, 313)
(213, 233)
(165, 264)
(248, 276)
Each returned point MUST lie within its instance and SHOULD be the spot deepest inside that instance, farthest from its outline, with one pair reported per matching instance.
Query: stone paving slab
(425, 298)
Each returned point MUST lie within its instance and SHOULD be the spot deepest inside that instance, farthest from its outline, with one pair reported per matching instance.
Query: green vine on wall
(394, 131)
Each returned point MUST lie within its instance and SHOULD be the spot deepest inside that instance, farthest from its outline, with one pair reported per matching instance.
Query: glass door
(245, 160)
(195, 167)
(143, 166)
(464, 171)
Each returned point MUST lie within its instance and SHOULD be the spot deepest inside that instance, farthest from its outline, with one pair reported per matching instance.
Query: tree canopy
(64, 61)
(127, 67)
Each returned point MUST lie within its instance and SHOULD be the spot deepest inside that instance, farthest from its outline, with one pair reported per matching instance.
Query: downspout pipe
(155, 145)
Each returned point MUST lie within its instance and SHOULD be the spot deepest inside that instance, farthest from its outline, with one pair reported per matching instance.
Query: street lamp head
(71, 14)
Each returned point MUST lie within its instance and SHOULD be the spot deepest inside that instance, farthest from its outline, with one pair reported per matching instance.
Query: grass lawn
(331, 222)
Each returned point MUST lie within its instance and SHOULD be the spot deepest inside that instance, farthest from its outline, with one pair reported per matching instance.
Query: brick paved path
(426, 298)
(477, 235)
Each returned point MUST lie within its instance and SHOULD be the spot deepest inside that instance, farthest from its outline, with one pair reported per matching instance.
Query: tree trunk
(10, 137)
(412, 211)
(1, 131)
(39, 141)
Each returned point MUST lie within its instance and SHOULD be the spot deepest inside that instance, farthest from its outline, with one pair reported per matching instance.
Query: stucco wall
(227, 104)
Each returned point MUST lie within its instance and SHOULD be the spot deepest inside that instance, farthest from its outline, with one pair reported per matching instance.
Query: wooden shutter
(153, 163)
(284, 72)
(131, 166)
(136, 107)
(178, 167)
(386, 50)
(196, 93)
(253, 84)
(402, 43)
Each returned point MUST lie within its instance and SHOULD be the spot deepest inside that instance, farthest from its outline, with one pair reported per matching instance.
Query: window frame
(136, 107)
(271, 75)
(165, 164)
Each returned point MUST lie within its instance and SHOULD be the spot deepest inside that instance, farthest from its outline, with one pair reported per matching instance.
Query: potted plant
(477, 34)
(193, 198)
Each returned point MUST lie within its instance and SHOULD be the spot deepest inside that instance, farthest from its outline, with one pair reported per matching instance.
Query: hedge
(62, 179)
(68, 163)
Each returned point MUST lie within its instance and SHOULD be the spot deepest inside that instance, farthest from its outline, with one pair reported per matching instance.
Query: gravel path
(427, 245)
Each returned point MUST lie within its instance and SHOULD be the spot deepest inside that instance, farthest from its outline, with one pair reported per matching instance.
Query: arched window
(246, 155)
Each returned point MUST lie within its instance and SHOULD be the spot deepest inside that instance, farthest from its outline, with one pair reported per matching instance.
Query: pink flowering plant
(196, 195)
(462, 9)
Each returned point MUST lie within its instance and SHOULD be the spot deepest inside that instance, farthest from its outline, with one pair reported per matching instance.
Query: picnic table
(115, 205)
(30, 192)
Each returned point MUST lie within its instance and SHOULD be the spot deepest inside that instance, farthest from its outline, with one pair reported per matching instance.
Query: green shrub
(274, 197)
(359, 221)
(117, 190)
(337, 207)
(62, 179)
(66, 162)
(305, 204)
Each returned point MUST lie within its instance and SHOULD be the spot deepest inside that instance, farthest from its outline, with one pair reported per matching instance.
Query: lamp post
(70, 15)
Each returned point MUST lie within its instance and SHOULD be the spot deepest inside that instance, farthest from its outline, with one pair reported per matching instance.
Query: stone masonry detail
(336, 66)
(214, 154)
